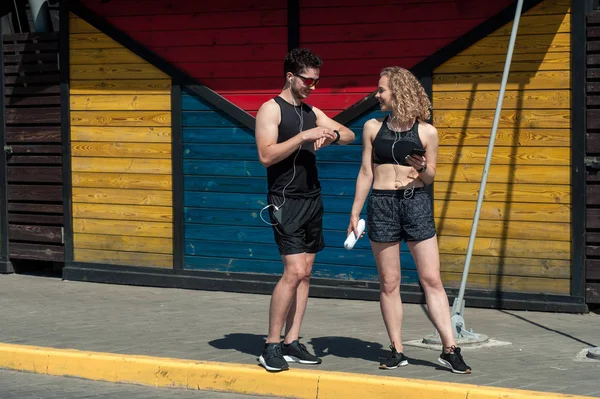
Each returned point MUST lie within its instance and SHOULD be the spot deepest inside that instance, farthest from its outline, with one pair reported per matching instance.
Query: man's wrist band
(337, 138)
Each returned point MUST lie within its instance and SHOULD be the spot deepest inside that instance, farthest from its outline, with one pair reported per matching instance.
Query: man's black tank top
(405, 143)
(305, 182)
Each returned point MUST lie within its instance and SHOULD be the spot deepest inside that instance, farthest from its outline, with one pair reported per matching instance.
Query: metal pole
(458, 306)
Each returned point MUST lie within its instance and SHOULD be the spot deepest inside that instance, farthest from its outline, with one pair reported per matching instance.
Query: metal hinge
(592, 163)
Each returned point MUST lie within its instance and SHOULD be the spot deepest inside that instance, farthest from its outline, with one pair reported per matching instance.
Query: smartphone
(418, 151)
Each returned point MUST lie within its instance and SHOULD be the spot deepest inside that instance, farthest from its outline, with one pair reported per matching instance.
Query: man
(288, 133)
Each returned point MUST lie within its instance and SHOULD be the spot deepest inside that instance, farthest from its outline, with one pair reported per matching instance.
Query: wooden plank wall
(33, 120)
(524, 235)
(593, 150)
(225, 189)
(121, 153)
(235, 47)
(357, 38)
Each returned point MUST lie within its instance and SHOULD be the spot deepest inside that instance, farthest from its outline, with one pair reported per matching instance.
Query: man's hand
(319, 136)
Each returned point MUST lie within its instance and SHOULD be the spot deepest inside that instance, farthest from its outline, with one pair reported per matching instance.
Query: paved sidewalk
(348, 334)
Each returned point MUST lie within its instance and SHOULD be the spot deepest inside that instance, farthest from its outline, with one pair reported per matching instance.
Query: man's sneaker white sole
(401, 364)
(448, 365)
(262, 361)
(294, 359)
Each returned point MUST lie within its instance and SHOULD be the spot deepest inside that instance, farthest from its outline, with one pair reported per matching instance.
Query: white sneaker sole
(262, 361)
(294, 359)
(401, 364)
(448, 365)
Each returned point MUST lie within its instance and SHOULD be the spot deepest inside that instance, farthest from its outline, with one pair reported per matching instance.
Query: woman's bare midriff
(395, 177)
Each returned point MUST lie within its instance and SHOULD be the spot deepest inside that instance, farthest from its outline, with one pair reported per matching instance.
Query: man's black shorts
(392, 217)
(301, 226)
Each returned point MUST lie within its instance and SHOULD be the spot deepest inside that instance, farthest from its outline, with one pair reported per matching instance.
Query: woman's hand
(353, 226)
(416, 161)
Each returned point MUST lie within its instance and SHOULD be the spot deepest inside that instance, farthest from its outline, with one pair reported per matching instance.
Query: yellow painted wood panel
(123, 258)
(509, 119)
(104, 56)
(456, 137)
(120, 87)
(538, 24)
(521, 99)
(112, 102)
(505, 155)
(122, 180)
(122, 197)
(78, 25)
(120, 118)
(123, 227)
(509, 266)
(123, 243)
(121, 165)
(123, 212)
(507, 248)
(122, 134)
(509, 283)
(503, 192)
(91, 40)
(531, 62)
(473, 81)
(121, 153)
(115, 71)
(505, 229)
(513, 211)
(152, 151)
(551, 7)
(526, 174)
(560, 42)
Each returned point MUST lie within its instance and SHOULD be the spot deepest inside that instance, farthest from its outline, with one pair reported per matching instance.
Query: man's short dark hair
(299, 59)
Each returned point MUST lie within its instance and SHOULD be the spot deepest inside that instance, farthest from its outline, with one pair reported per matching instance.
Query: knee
(295, 275)
(431, 282)
(389, 284)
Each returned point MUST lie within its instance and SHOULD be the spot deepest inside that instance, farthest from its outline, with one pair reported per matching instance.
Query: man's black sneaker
(394, 360)
(272, 358)
(454, 361)
(297, 353)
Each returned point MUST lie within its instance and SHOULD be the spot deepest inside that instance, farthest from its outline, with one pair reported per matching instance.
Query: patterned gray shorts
(392, 218)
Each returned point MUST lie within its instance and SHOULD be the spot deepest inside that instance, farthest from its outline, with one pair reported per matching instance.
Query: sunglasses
(310, 82)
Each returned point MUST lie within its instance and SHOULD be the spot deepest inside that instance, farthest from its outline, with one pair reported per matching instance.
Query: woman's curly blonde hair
(409, 100)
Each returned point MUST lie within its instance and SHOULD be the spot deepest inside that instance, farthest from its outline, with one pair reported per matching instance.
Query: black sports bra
(402, 143)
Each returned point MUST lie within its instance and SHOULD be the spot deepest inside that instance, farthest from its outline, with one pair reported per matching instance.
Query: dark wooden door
(33, 146)
(593, 160)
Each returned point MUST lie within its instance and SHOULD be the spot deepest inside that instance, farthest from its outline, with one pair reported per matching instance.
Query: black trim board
(175, 73)
(65, 117)
(177, 175)
(5, 263)
(293, 21)
(579, 11)
(320, 287)
(428, 65)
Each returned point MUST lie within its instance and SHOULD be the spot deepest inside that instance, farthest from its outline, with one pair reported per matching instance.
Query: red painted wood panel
(237, 47)
(360, 38)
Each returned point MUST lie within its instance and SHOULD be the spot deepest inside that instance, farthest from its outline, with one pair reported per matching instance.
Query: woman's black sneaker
(394, 360)
(272, 358)
(454, 361)
(297, 353)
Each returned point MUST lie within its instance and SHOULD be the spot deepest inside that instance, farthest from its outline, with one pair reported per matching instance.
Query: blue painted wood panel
(225, 188)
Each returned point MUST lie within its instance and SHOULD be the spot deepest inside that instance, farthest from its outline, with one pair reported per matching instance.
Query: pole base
(6, 267)
(594, 353)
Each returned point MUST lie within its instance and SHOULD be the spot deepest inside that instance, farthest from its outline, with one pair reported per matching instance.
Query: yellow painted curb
(241, 378)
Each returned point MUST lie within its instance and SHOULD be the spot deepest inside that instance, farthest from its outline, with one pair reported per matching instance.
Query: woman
(399, 208)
